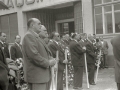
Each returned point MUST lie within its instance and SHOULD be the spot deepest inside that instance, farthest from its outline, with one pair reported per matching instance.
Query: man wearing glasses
(54, 45)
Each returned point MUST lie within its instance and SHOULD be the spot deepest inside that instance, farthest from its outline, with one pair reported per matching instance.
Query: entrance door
(65, 27)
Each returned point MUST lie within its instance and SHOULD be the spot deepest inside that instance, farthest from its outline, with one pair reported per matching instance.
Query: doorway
(65, 27)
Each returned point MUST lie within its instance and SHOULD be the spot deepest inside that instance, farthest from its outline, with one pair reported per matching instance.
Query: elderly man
(43, 35)
(37, 57)
(116, 51)
(54, 46)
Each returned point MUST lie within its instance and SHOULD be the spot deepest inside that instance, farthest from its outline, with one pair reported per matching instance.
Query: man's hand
(52, 62)
(65, 61)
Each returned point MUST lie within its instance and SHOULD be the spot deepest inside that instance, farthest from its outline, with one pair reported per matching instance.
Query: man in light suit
(37, 57)
(104, 49)
(16, 49)
(116, 51)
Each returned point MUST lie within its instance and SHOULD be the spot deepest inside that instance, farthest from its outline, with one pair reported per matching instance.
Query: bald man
(36, 56)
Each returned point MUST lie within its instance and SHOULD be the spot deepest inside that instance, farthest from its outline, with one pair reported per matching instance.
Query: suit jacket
(36, 57)
(6, 50)
(3, 68)
(82, 43)
(105, 47)
(116, 51)
(16, 51)
(53, 46)
(90, 53)
(77, 54)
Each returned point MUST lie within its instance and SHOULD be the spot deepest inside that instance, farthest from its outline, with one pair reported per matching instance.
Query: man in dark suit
(54, 46)
(104, 48)
(37, 57)
(4, 45)
(3, 68)
(83, 40)
(116, 51)
(16, 49)
(77, 58)
(91, 59)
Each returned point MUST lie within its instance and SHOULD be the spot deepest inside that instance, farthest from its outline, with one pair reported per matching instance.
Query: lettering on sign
(19, 3)
(2, 1)
(10, 3)
(29, 1)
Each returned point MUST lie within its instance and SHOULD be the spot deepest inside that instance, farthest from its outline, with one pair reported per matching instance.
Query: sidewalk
(105, 81)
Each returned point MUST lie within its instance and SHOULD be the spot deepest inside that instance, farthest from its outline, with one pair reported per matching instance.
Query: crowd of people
(29, 65)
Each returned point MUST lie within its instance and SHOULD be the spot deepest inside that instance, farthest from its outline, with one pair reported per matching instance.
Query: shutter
(13, 26)
(5, 26)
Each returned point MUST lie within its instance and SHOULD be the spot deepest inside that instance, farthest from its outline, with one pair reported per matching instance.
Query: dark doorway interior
(66, 28)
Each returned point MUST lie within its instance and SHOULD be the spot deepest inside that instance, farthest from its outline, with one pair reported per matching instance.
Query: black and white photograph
(59, 44)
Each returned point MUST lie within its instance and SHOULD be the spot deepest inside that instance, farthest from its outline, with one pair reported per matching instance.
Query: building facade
(65, 16)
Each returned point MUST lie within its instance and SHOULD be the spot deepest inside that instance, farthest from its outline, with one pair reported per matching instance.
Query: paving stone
(105, 81)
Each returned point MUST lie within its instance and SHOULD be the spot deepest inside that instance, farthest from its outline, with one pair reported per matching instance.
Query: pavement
(105, 81)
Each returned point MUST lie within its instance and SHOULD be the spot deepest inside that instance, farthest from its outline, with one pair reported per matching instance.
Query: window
(107, 16)
(108, 8)
(97, 2)
(108, 23)
(99, 24)
(106, 1)
(98, 10)
(117, 21)
(117, 6)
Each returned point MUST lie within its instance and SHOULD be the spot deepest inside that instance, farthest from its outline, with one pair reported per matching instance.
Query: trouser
(4, 81)
(37, 86)
(91, 72)
(118, 86)
(105, 60)
(60, 80)
(4, 86)
(78, 76)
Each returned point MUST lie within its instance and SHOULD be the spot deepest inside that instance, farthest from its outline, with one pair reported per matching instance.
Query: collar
(1, 42)
(37, 35)
(55, 41)
(90, 41)
(17, 43)
(82, 40)
(75, 40)
(102, 42)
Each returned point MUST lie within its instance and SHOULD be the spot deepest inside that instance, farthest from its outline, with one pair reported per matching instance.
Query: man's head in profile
(43, 32)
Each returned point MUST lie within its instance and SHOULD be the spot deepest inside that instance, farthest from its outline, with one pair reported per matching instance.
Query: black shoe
(92, 83)
(77, 88)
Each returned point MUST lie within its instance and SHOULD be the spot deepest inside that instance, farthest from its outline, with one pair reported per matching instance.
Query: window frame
(112, 3)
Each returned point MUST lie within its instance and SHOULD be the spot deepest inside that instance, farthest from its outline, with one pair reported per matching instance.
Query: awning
(2, 5)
